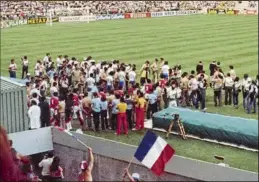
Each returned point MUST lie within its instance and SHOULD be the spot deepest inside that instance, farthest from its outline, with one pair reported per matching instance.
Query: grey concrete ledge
(179, 165)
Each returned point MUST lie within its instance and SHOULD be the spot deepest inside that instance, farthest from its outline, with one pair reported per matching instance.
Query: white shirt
(46, 60)
(25, 62)
(121, 75)
(194, 84)
(59, 62)
(52, 90)
(173, 94)
(45, 164)
(229, 82)
(109, 70)
(132, 76)
(34, 115)
(90, 82)
(165, 69)
(13, 67)
(92, 68)
(109, 80)
(35, 91)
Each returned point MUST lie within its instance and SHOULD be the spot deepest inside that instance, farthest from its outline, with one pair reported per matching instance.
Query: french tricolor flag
(154, 152)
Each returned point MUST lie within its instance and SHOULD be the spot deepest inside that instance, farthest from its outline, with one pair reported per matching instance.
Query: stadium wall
(112, 157)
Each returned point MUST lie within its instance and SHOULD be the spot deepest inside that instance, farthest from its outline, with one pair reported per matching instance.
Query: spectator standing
(199, 67)
(122, 117)
(25, 66)
(236, 90)
(45, 112)
(87, 167)
(56, 172)
(34, 114)
(218, 84)
(104, 111)
(129, 111)
(96, 108)
(228, 85)
(12, 69)
(251, 97)
(232, 72)
(45, 164)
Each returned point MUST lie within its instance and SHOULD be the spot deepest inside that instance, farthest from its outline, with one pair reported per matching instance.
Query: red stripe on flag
(165, 156)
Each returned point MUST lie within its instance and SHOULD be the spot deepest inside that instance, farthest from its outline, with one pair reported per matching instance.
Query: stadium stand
(25, 9)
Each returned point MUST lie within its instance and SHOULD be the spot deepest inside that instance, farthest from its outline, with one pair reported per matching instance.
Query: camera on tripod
(175, 116)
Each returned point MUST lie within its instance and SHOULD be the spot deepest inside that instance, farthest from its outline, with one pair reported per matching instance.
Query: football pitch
(181, 40)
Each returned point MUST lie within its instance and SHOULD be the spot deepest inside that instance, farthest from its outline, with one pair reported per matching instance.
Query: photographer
(236, 90)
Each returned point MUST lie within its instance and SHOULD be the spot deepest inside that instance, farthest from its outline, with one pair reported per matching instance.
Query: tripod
(180, 126)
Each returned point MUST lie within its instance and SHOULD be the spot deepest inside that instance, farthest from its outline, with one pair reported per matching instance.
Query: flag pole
(128, 167)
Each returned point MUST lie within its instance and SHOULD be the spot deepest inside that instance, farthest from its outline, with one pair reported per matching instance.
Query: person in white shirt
(172, 94)
(132, 76)
(228, 85)
(46, 59)
(12, 69)
(236, 90)
(35, 90)
(53, 89)
(45, 164)
(122, 76)
(25, 64)
(251, 97)
(59, 63)
(246, 82)
(194, 85)
(34, 115)
(232, 72)
(109, 81)
(37, 68)
(165, 70)
(90, 82)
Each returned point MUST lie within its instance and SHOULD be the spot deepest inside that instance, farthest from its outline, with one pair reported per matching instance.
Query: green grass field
(184, 40)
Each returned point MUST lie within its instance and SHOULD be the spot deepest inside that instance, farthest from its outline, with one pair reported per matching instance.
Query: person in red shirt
(54, 102)
(120, 91)
(77, 109)
(162, 82)
(148, 86)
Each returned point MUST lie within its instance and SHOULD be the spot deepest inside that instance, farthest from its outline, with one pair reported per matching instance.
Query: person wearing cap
(87, 167)
(135, 177)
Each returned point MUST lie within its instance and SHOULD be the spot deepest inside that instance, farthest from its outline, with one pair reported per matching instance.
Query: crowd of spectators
(24, 9)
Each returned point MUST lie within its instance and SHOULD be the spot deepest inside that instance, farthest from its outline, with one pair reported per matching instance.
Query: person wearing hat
(87, 167)
(135, 177)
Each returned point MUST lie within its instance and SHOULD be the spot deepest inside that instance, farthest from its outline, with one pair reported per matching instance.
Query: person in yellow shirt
(121, 117)
(144, 76)
(140, 111)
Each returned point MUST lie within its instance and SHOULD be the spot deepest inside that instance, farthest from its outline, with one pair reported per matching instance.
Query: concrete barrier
(111, 157)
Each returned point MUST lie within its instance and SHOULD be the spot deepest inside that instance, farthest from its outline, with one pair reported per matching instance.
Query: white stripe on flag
(154, 153)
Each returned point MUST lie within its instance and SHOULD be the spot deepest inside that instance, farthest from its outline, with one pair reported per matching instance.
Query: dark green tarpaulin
(235, 130)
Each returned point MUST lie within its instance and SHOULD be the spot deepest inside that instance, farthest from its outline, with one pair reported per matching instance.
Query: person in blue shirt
(51, 73)
(96, 109)
(115, 102)
(152, 103)
(129, 111)
(104, 108)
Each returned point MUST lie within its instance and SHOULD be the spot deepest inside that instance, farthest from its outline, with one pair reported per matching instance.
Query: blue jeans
(12, 74)
(251, 103)
(235, 98)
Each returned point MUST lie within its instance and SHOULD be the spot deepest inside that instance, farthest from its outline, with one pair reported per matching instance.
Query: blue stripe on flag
(145, 145)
